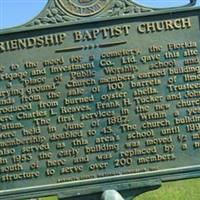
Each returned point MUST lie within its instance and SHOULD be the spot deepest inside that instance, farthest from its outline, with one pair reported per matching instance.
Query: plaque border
(122, 182)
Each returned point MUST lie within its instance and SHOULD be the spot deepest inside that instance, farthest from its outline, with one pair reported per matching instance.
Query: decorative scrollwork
(126, 7)
(54, 15)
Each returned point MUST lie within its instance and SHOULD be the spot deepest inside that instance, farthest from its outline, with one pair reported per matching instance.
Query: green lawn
(49, 198)
(179, 190)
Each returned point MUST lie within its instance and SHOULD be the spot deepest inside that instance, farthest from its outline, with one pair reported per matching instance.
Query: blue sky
(17, 12)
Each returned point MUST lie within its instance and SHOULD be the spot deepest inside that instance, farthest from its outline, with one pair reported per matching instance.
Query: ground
(179, 190)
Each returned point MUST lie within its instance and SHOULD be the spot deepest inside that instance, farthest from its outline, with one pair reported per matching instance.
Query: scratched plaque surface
(87, 103)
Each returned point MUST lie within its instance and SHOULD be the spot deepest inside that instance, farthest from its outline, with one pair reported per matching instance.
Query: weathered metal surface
(99, 102)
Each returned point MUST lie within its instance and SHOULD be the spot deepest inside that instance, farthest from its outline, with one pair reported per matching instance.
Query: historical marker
(99, 95)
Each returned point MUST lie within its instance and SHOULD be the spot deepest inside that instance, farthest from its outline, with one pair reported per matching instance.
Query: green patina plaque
(98, 95)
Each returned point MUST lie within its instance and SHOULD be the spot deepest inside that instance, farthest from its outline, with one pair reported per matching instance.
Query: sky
(18, 12)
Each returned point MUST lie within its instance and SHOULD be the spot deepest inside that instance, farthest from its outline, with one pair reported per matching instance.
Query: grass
(179, 190)
(49, 198)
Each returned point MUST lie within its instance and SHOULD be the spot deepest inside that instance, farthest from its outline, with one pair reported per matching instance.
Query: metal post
(111, 195)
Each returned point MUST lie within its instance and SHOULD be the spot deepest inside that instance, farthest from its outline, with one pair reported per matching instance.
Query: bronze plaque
(100, 102)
